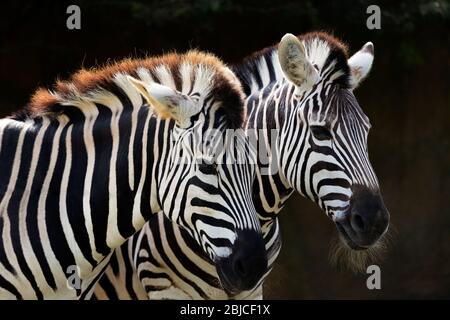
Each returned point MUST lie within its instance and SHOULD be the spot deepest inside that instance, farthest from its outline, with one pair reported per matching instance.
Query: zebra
(86, 164)
(302, 88)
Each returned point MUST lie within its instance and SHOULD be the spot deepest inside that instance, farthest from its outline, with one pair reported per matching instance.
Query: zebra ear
(294, 63)
(167, 102)
(360, 64)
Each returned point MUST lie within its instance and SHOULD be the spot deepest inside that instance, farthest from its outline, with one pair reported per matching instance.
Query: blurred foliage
(400, 19)
(409, 54)
(403, 16)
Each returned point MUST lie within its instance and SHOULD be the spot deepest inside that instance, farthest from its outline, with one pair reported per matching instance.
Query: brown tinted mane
(224, 86)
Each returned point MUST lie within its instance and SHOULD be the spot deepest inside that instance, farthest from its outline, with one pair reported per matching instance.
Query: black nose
(246, 265)
(366, 220)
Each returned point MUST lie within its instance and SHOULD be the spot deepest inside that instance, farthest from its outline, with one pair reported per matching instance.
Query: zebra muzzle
(366, 220)
(244, 268)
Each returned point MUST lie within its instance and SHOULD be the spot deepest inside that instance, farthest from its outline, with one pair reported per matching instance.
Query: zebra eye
(321, 133)
(207, 167)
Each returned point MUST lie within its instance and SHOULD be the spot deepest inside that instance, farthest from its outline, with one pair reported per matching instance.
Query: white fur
(317, 51)
(360, 64)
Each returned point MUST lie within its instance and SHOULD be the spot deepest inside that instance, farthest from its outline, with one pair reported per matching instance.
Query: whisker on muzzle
(342, 256)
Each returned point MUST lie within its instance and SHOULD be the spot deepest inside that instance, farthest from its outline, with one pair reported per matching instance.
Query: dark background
(406, 97)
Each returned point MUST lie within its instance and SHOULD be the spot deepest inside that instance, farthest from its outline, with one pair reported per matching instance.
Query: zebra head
(325, 133)
(199, 186)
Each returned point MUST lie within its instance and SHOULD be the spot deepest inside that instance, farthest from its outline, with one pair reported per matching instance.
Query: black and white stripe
(320, 151)
(81, 175)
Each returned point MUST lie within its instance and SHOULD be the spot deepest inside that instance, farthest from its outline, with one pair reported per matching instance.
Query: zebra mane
(262, 67)
(206, 72)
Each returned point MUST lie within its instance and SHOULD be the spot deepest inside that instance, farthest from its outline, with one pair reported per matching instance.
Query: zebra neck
(78, 185)
(128, 158)
(269, 97)
(266, 118)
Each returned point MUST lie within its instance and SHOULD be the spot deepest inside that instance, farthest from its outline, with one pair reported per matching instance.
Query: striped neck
(266, 119)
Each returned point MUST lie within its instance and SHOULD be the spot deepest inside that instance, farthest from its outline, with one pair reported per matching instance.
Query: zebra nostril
(239, 268)
(358, 223)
